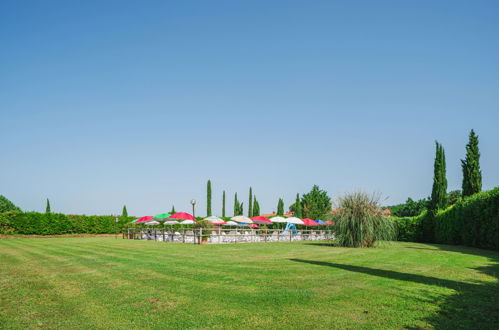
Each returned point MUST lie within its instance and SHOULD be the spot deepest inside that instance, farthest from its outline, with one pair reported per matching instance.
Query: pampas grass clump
(360, 221)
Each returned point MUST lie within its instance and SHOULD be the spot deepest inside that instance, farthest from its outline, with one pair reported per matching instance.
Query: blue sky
(105, 103)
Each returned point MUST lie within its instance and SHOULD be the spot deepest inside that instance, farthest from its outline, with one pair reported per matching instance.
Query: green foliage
(236, 205)
(316, 203)
(34, 223)
(208, 198)
(256, 207)
(409, 209)
(223, 204)
(6, 222)
(124, 213)
(6, 205)
(280, 207)
(206, 227)
(439, 191)
(173, 210)
(409, 229)
(454, 196)
(472, 175)
(360, 221)
(47, 207)
(298, 208)
(250, 203)
(473, 221)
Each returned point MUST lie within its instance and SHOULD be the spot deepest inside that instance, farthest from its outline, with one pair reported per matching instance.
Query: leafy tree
(173, 210)
(280, 207)
(472, 175)
(454, 196)
(240, 209)
(256, 207)
(6, 205)
(250, 203)
(439, 191)
(297, 206)
(410, 208)
(208, 198)
(124, 213)
(47, 207)
(223, 204)
(316, 204)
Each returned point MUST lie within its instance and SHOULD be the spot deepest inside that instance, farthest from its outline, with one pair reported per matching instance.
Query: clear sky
(106, 103)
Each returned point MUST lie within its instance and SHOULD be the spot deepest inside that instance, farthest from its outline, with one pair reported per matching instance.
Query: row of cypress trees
(472, 175)
(253, 205)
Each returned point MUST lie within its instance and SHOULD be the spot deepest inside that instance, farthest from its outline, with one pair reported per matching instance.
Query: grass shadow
(474, 306)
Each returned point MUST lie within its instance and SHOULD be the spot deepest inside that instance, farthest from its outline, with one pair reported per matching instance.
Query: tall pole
(193, 202)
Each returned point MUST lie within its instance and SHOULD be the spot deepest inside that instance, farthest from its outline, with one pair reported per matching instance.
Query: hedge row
(473, 221)
(34, 223)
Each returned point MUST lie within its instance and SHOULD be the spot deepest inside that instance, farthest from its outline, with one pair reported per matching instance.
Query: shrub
(34, 223)
(472, 221)
(6, 205)
(360, 222)
(206, 226)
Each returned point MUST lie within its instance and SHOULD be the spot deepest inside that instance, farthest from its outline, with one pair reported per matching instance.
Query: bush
(360, 221)
(409, 229)
(206, 226)
(34, 223)
(6, 205)
(473, 221)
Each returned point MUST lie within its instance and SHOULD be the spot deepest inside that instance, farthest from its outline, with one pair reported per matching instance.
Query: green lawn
(113, 283)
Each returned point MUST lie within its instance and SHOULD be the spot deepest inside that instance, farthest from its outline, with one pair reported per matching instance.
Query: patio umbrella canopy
(171, 222)
(144, 219)
(261, 220)
(161, 217)
(182, 216)
(278, 220)
(309, 222)
(294, 220)
(330, 222)
(230, 223)
(320, 222)
(214, 220)
(187, 222)
(241, 219)
(152, 223)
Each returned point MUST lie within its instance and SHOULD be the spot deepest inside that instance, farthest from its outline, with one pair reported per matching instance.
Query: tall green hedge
(34, 223)
(473, 221)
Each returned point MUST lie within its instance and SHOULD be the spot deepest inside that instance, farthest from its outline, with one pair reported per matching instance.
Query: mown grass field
(113, 283)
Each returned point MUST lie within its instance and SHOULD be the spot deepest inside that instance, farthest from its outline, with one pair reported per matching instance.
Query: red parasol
(182, 216)
(144, 219)
(309, 222)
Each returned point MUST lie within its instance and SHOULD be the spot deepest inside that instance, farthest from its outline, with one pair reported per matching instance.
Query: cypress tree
(47, 207)
(250, 203)
(298, 208)
(439, 190)
(124, 213)
(256, 207)
(241, 209)
(280, 207)
(223, 204)
(173, 210)
(472, 175)
(208, 198)
(236, 205)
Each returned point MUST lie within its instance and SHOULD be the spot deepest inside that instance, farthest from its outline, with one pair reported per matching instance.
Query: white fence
(226, 236)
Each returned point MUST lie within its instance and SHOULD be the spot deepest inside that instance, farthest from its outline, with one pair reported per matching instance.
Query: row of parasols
(187, 219)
